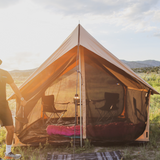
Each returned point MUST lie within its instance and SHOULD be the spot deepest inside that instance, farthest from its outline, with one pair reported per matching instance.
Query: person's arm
(18, 93)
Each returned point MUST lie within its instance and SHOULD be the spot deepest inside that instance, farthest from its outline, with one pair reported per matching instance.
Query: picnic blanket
(114, 155)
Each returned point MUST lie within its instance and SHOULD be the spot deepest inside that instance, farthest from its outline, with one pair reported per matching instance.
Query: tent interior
(116, 103)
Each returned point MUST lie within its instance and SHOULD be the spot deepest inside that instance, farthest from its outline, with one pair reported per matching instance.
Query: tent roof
(81, 36)
(87, 41)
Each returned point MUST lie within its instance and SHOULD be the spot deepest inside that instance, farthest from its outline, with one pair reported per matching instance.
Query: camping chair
(49, 106)
(110, 105)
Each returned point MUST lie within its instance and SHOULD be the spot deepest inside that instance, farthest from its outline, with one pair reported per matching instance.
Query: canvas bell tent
(102, 99)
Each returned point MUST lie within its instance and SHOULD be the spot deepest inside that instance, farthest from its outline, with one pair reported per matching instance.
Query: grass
(140, 151)
(2, 141)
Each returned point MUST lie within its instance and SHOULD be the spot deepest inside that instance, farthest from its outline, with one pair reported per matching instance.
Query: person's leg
(9, 136)
(8, 124)
(9, 140)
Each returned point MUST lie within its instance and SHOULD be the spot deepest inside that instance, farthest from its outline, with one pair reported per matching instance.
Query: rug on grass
(114, 155)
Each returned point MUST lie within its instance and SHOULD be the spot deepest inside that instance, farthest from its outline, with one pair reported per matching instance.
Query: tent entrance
(108, 113)
(110, 108)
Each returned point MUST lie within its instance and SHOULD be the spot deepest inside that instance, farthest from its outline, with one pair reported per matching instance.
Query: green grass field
(149, 151)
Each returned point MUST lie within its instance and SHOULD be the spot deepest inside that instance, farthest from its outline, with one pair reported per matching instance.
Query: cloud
(157, 35)
(136, 15)
(7, 3)
(76, 7)
(98, 7)
(157, 16)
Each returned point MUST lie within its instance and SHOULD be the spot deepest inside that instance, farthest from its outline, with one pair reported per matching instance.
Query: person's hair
(0, 61)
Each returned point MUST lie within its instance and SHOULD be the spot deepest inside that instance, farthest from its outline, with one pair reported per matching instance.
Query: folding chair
(49, 106)
(105, 112)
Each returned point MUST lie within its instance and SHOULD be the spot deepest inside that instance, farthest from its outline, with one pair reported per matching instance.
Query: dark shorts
(5, 115)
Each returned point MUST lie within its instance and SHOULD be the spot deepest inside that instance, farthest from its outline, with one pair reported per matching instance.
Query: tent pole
(83, 93)
(80, 88)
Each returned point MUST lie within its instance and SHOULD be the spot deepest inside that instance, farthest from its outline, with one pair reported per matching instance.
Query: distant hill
(131, 64)
(25, 73)
(141, 64)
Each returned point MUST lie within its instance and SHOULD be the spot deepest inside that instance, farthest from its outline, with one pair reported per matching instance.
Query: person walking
(5, 112)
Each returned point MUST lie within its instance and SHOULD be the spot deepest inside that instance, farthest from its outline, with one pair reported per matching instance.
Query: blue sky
(31, 30)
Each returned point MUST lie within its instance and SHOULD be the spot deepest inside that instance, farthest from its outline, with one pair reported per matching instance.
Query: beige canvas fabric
(88, 42)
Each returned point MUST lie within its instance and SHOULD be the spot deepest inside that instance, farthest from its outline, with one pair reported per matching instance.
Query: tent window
(102, 91)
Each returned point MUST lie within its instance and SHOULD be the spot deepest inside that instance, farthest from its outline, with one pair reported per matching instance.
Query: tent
(82, 66)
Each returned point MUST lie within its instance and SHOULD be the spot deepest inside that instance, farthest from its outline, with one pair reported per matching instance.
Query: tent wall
(145, 135)
(137, 106)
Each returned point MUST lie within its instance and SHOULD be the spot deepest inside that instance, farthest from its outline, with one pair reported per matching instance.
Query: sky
(31, 30)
